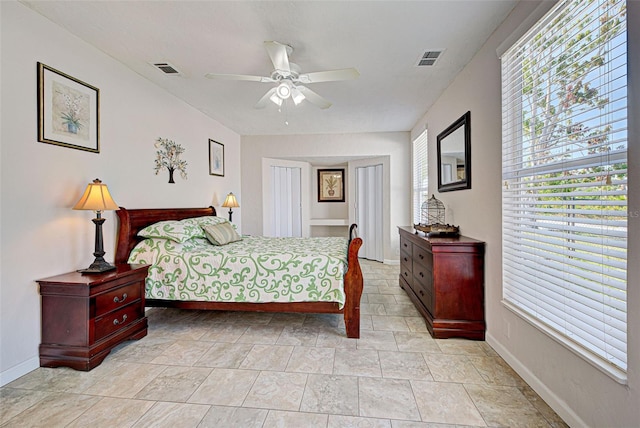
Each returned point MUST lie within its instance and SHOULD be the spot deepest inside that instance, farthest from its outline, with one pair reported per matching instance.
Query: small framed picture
(68, 111)
(216, 158)
(331, 185)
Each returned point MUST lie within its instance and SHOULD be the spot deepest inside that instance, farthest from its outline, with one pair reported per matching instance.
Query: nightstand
(85, 316)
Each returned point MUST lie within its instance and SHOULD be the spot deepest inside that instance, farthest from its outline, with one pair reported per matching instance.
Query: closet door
(285, 201)
(369, 211)
(286, 214)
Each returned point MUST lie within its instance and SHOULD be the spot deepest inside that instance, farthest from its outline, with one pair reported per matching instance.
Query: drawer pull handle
(405, 274)
(421, 292)
(421, 275)
(421, 256)
(120, 300)
(124, 318)
(405, 259)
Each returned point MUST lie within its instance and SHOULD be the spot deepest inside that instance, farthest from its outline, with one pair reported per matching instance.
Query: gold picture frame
(68, 111)
(331, 185)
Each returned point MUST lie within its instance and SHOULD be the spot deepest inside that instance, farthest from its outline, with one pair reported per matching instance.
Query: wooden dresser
(84, 316)
(444, 277)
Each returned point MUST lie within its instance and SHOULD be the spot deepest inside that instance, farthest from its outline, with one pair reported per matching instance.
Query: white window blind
(564, 198)
(420, 174)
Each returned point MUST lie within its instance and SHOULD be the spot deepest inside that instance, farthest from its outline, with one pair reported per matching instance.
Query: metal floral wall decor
(168, 156)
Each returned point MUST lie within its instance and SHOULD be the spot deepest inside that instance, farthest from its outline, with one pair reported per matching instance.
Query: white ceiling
(382, 39)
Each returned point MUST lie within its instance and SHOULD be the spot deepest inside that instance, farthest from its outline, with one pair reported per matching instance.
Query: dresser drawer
(406, 245)
(425, 295)
(405, 273)
(422, 256)
(423, 276)
(405, 261)
(114, 321)
(118, 298)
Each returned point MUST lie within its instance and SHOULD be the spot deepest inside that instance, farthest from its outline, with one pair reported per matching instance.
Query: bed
(347, 301)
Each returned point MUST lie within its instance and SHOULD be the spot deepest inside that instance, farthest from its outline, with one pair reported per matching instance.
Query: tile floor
(227, 369)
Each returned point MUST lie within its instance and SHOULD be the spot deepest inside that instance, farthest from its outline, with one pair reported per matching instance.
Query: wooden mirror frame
(444, 138)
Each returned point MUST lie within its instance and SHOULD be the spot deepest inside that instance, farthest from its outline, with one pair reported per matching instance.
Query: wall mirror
(454, 155)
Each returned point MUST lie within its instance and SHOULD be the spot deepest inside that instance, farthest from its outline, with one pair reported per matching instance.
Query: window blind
(420, 174)
(564, 169)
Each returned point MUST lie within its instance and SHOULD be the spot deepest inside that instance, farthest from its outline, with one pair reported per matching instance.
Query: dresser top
(434, 240)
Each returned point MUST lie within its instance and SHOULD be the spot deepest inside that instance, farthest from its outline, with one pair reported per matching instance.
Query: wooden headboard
(132, 221)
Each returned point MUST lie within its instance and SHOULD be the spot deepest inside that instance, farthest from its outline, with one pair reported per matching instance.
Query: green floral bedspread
(255, 269)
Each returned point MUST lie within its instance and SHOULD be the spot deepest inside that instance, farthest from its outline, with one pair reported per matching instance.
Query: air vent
(429, 58)
(166, 68)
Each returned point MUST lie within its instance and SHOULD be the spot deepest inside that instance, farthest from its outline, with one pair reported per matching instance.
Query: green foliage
(557, 83)
(561, 72)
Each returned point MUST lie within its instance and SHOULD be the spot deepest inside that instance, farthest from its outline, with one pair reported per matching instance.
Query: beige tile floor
(227, 369)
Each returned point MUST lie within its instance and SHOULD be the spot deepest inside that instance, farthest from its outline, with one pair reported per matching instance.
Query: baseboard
(18, 371)
(391, 262)
(557, 404)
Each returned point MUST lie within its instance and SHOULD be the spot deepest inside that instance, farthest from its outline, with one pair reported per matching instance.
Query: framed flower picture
(216, 158)
(68, 111)
(331, 185)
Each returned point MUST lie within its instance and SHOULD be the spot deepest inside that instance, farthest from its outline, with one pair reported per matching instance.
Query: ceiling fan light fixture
(289, 80)
(296, 95)
(276, 99)
(284, 90)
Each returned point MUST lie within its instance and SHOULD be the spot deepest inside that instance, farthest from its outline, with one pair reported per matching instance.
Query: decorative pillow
(209, 220)
(175, 230)
(221, 234)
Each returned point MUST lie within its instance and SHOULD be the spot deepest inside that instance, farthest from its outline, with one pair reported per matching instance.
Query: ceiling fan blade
(266, 98)
(239, 77)
(314, 98)
(329, 76)
(278, 54)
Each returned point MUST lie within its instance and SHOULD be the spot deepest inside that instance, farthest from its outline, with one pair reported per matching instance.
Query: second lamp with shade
(230, 202)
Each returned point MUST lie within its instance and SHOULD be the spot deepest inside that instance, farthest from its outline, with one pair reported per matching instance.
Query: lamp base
(98, 266)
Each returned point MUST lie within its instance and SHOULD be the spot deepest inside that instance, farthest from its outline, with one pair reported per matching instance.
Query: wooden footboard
(132, 221)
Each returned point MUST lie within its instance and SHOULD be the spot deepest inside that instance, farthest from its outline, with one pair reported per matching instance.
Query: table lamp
(230, 202)
(97, 198)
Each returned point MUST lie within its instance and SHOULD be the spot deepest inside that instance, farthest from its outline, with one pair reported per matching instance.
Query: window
(564, 169)
(420, 174)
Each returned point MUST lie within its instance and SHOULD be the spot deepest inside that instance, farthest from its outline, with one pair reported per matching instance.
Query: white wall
(40, 234)
(332, 210)
(396, 145)
(580, 393)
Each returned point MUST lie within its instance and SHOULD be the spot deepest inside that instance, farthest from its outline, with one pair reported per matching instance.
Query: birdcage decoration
(432, 212)
(432, 216)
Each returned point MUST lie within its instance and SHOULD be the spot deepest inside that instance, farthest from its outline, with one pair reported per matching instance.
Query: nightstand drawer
(116, 320)
(118, 298)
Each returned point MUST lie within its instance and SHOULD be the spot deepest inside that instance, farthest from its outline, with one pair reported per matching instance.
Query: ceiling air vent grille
(429, 58)
(166, 68)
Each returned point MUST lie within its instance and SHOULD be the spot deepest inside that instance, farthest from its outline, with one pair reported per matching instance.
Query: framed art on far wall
(216, 158)
(331, 185)
(68, 111)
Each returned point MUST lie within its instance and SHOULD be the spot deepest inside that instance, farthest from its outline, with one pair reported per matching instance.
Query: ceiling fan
(289, 79)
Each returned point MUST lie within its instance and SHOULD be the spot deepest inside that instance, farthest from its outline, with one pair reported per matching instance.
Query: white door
(369, 211)
(284, 210)
(286, 214)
